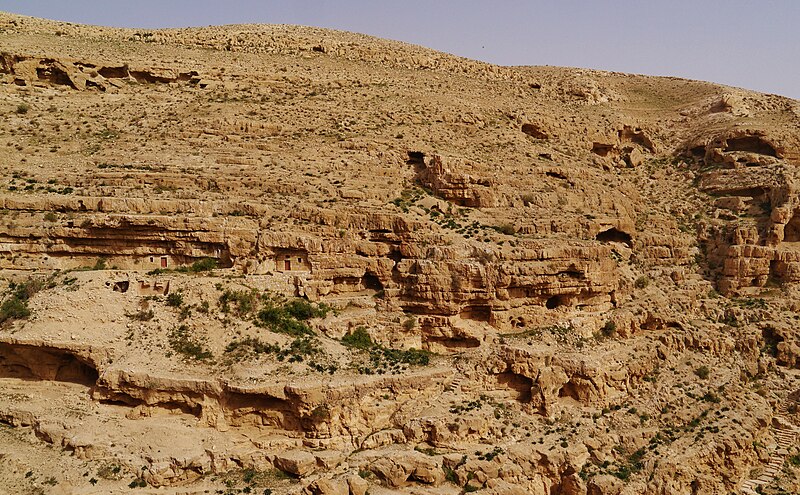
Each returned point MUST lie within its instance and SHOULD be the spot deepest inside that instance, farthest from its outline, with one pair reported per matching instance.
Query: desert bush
(245, 301)
(358, 338)
(289, 318)
(609, 329)
(183, 343)
(15, 305)
(203, 265)
(175, 299)
(304, 310)
(702, 372)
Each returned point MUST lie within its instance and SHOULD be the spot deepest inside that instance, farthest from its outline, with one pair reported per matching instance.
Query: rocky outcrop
(82, 75)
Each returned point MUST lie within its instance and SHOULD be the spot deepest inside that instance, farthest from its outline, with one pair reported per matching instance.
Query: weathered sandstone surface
(278, 259)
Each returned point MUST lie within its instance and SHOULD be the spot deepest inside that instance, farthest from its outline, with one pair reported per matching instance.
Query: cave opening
(122, 286)
(370, 281)
(30, 362)
(114, 72)
(477, 313)
(533, 131)
(557, 301)
(614, 235)
(791, 232)
(751, 144)
(519, 385)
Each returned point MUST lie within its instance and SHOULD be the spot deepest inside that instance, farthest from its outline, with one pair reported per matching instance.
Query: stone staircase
(455, 385)
(786, 436)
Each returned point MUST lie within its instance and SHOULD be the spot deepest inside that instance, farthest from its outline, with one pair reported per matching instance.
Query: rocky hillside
(278, 259)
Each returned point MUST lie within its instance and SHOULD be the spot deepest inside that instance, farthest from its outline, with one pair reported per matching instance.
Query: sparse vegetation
(199, 266)
(15, 304)
(289, 317)
(383, 359)
(702, 372)
(183, 342)
(175, 299)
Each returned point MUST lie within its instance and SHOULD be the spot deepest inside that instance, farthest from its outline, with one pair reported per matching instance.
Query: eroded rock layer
(276, 259)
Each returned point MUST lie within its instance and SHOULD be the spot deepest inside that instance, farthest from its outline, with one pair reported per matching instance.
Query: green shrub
(22, 108)
(609, 329)
(253, 344)
(15, 306)
(469, 488)
(358, 338)
(175, 299)
(182, 342)
(641, 282)
(50, 216)
(382, 358)
(245, 301)
(203, 265)
(289, 318)
(304, 310)
(13, 309)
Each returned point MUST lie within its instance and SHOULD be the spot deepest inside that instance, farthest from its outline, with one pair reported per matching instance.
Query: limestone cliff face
(219, 246)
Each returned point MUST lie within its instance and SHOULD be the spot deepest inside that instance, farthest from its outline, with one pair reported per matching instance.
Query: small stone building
(292, 260)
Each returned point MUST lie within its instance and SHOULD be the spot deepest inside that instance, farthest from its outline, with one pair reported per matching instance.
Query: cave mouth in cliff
(122, 286)
(29, 362)
(477, 313)
(417, 160)
(698, 152)
(615, 235)
(519, 386)
(557, 301)
(771, 340)
(451, 343)
(370, 281)
(791, 232)
(751, 144)
(54, 75)
(142, 76)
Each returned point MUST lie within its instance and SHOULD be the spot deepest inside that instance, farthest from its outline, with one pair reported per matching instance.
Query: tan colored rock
(298, 462)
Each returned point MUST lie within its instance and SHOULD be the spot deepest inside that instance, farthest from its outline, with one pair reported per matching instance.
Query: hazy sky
(753, 44)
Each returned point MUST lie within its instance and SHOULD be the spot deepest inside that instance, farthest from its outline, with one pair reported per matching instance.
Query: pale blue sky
(748, 43)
